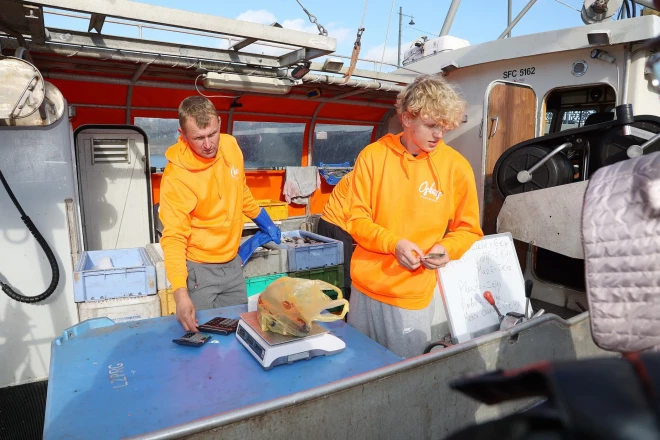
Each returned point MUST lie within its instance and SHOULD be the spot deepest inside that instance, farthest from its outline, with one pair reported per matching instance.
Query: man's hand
(436, 263)
(185, 310)
(407, 254)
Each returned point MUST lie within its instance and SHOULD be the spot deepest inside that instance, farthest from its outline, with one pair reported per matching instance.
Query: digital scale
(272, 349)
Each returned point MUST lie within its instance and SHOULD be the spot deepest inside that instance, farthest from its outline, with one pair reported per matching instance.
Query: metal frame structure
(305, 46)
(136, 62)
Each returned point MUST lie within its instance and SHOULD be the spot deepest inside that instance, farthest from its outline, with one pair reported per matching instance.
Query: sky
(477, 21)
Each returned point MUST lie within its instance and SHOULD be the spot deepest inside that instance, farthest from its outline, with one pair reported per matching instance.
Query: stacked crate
(319, 261)
(119, 284)
(165, 294)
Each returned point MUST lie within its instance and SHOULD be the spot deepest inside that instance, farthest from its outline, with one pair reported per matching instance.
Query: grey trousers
(404, 332)
(216, 285)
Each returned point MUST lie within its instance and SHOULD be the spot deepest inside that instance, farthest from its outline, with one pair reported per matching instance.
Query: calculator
(192, 339)
(220, 325)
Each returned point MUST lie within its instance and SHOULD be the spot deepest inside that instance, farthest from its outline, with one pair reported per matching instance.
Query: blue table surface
(128, 379)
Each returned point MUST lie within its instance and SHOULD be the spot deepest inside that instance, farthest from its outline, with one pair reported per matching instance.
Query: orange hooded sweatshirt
(428, 199)
(201, 206)
(334, 210)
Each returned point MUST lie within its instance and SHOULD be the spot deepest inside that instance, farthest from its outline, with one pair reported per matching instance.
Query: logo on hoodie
(233, 171)
(429, 192)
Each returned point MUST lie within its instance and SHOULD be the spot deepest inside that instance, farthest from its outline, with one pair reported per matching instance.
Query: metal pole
(449, 19)
(627, 61)
(525, 176)
(398, 49)
(508, 20)
(517, 19)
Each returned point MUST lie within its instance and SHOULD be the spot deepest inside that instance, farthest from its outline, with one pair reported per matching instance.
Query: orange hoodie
(428, 199)
(333, 212)
(201, 206)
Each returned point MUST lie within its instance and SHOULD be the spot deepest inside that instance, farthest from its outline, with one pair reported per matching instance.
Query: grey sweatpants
(216, 285)
(404, 332)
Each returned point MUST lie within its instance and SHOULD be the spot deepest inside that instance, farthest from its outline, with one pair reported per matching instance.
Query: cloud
(376, 53)
(298, 24)
(260, 16)
(341, 34)
(263, 16)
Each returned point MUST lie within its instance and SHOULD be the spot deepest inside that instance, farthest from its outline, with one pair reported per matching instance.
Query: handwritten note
(492, 265)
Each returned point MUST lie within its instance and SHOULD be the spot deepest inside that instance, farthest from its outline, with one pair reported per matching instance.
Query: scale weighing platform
(272, 349)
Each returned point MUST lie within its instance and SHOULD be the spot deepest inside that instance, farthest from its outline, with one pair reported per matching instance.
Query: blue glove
(246, 250)
(266, 225)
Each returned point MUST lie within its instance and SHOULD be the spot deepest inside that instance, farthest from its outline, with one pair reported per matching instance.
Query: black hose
(42, 242)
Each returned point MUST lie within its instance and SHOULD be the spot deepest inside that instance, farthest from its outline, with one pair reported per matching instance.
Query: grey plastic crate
(328, 253)
(270, 260)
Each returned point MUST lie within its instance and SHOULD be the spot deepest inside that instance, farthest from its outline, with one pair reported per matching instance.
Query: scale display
(272, 349)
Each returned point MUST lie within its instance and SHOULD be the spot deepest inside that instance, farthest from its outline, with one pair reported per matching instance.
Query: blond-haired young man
(202, 199)
(411, 196)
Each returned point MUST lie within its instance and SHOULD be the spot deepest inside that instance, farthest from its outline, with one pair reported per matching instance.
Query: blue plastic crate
(310, 256)
(132, 274)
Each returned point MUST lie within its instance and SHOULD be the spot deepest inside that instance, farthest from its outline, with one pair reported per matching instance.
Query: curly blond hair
(199, 108)
(431, 96)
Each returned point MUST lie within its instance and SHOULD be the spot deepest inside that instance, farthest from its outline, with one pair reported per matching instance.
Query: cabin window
(268, 145)
(570, 107)
(575, 118)
(337, 144)
(161, 134)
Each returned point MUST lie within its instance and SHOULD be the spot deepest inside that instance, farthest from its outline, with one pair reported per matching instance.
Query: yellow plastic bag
(288, 306)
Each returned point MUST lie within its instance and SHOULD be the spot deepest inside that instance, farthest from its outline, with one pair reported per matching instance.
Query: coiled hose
(42, 242)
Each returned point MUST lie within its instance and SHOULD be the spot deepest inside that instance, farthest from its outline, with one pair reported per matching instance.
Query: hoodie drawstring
(434, 171)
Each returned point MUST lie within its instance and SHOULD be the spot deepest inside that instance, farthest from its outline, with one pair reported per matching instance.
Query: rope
(568, 6)
(313, 19)
(386, 35)
(356, 46)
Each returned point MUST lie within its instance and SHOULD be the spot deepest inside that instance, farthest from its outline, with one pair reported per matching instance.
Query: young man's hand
(436, 263)
(185, 310)
(407, 254)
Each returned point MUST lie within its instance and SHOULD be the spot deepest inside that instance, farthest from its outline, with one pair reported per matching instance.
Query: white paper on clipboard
(490, 264)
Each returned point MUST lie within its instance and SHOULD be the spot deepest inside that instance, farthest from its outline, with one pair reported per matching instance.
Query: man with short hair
(203, 197)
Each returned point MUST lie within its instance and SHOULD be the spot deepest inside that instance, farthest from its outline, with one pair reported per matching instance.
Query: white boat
(83, 167)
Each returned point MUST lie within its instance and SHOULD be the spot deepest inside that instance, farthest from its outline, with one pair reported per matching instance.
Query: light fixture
(602, 55)
(447, 69)
(333, 65)
(579, 68)
(599, 37)
(245, 83)
(412, 22)
(301, 70)
(314, 93)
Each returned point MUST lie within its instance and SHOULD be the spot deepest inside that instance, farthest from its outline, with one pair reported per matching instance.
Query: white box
(252, 302)
(155, 252)
(121, 309)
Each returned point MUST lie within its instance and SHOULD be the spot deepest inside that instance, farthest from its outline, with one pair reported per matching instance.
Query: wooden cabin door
(511, 119)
